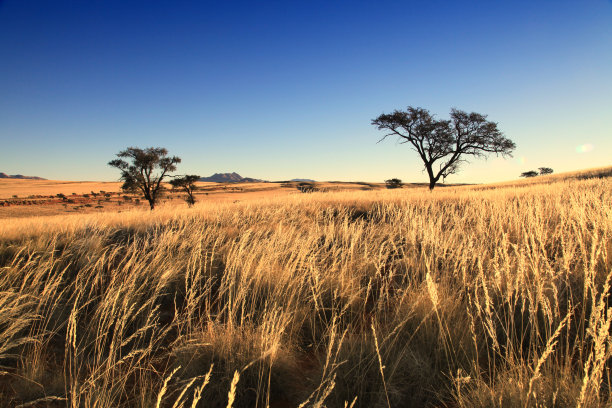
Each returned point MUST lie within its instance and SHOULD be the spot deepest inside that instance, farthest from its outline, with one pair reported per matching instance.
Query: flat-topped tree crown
(144, 169)
(545, 170)
(443, 145)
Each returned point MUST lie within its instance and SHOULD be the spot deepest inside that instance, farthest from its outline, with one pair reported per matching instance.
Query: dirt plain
(30, 198)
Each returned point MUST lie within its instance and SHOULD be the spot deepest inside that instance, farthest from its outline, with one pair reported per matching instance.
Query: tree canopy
(393, 183)
(545, 170)
(530, 173)
(144, 169)
(187, 185)
(443, 145)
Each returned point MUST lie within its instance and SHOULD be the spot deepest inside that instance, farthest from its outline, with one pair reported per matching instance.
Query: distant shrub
(306, 187)
(394, 183)
(542, 171)
(530, 173)
(545, 170)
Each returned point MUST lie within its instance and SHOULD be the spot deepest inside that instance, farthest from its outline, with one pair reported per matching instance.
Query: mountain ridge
(230, 178)
(19, 177)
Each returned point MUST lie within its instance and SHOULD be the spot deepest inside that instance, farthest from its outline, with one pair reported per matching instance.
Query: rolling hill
(19, 176)
(230, 178)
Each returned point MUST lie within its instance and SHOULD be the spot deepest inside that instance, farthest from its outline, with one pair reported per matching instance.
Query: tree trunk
(152, 204)
(432, 178)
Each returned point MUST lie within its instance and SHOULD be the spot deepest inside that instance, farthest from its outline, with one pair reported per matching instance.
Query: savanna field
(470, 296)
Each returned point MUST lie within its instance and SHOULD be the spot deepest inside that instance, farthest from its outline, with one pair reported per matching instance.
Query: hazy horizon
(420, 180)
(278, 91)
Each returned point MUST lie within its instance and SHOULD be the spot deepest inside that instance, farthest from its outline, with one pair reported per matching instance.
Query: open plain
(470, 296)
(26, 198)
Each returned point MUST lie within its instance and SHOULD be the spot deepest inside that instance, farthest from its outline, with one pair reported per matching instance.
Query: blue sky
(285, 89)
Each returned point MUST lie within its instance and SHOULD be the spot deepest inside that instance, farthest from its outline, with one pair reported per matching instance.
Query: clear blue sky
(285, 89)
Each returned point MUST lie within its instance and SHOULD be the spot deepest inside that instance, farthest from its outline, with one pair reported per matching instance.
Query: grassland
(486, 296)
(28, 198)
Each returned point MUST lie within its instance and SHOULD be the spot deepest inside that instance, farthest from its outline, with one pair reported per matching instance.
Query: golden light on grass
(481, 296)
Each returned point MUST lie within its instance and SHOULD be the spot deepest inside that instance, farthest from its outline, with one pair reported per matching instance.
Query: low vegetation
(394, 183)
(493, 296)
(542, 171)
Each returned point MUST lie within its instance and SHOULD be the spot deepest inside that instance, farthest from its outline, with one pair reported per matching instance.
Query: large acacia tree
(443, 145)
(144, 169)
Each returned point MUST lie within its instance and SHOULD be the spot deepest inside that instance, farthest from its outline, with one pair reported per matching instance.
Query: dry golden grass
(463, 297)
(25, 188)
(30, 198)
(597, 172)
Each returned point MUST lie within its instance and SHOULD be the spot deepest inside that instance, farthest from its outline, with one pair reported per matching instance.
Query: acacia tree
(187, 185)
(545, 170)
(144, 169)
(393, 183)
(529, 174)
(443, 145)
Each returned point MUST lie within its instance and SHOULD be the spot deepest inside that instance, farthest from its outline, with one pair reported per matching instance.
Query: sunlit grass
(461, 297)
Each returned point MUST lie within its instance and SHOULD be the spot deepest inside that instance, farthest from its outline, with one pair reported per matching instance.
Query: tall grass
(458, 298)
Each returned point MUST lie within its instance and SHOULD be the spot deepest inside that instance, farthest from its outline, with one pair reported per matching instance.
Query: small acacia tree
(545, 170)
(443, 145)
(530, 173)
(393, 183)
(187, 185)
(144, 169)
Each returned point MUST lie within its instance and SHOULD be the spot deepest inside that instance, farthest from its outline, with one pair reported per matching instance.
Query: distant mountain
(303, 180)
(19, 176)
(230, 178)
